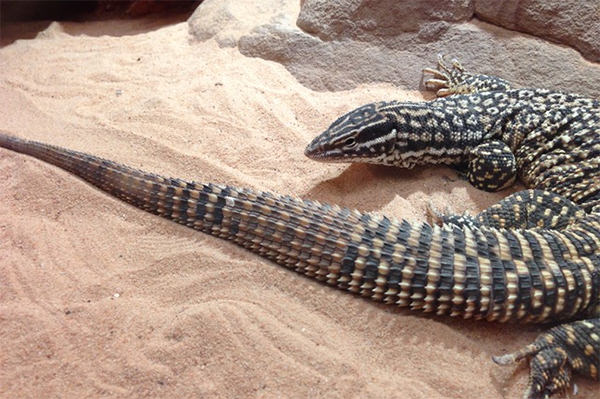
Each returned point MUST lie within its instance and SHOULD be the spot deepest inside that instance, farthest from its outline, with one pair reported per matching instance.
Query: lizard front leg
(492, 166)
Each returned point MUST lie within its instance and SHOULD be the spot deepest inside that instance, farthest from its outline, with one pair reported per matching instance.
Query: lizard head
(367, 134)
(403, 134)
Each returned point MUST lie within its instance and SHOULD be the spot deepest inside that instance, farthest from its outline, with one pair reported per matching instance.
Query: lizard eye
(350, 142)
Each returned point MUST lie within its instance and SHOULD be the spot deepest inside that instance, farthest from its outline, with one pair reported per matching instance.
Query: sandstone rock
(483, 48)
(342, 45)
(330, 65)
(574, 23)
(360, 19)
(228, 20)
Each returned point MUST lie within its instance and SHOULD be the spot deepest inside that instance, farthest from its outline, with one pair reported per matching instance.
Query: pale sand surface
(99, 299)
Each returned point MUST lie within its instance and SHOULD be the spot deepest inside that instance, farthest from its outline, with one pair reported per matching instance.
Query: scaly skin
(496, 274)
(548, 139)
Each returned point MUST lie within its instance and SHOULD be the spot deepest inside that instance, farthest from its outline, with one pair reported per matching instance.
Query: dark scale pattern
(525, 209)
(419, 279)
(360, 251)
(537, 251)
(549, 139)
(537, 284)
(492, 166)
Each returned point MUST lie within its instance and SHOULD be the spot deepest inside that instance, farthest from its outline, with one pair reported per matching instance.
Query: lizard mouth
(318, 154)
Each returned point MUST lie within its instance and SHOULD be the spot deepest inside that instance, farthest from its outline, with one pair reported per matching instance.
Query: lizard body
(550, 140)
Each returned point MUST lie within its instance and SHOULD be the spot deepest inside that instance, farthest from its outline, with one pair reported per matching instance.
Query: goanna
(534, 257)
(548, 139)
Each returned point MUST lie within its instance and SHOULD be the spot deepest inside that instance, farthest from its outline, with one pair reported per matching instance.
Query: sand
(99, 299)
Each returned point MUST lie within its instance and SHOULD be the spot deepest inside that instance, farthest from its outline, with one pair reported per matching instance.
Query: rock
(571, 22)
(228, 20)
(360, 19)
(352, 47)
(330, 65)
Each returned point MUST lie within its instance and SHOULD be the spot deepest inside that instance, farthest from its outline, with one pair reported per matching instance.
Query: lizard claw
(434, 216)
(444, 77)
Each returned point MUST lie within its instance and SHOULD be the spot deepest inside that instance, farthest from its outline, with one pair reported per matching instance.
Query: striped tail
(480, 272)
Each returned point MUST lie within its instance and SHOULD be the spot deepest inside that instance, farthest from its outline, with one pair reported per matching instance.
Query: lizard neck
(432, 135)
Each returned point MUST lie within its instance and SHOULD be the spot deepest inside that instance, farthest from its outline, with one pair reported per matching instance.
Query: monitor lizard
(548, 139)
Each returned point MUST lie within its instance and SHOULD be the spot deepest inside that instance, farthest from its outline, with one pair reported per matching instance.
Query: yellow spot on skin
(300, 233)
(560, 300)
(356, 237)
(279, 225)
(363, 250)
(284, 215)
(377, 243)
(398, 256)
(359, 264)
(270, 201)
(247, 205)
(265, 209)
(589, 350)
(213, 198)
(320, 238)
(304, 222)
(570, 336)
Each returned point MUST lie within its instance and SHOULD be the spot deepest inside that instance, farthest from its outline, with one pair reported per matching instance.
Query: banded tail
(488, 273)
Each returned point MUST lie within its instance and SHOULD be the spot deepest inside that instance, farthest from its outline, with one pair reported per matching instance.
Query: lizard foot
(433, 215)
(436, 217)
(448, 79)
(445, 80)
(556, 354)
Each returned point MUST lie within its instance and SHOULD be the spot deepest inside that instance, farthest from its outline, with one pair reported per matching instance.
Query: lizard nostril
(314, 148)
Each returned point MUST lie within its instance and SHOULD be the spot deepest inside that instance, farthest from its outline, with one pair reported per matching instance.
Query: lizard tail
(474, 272)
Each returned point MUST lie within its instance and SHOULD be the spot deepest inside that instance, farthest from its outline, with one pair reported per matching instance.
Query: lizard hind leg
(573, 346)
(550, 373)
(561, 381)
(525, 209)
(453, 79)
(549, 369)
